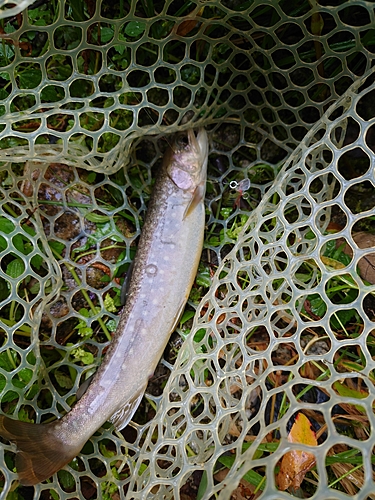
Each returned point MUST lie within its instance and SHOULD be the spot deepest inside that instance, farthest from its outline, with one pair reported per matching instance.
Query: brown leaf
(188, 25)
(348, 476)
(366, 265)
(296, 463)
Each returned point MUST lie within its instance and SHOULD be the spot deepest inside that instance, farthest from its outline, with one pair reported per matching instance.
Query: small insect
(240, 187)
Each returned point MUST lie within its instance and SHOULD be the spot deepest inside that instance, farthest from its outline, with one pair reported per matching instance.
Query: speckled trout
(163, 273)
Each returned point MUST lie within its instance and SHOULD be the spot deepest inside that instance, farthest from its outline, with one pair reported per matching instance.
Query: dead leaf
(296, 463)
(189, 24)
(366, 265)
(348, 476)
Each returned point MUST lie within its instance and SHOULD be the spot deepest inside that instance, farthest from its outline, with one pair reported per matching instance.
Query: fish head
(187, 160)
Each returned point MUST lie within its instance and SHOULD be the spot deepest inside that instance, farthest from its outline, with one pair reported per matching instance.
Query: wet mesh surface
(286, 325)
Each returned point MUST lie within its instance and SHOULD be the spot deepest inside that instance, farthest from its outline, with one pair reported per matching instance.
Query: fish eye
(182, 141)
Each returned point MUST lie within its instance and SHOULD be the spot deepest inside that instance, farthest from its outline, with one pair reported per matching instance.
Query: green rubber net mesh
(284, 333)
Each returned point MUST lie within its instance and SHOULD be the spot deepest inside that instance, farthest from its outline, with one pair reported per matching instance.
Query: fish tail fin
(40, 453)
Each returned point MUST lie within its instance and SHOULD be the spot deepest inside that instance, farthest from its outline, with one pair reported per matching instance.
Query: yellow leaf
(296, 463)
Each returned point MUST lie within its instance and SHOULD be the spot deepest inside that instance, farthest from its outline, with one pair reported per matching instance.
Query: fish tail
(40, 454)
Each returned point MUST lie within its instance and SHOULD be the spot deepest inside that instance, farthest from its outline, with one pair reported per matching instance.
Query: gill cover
(188, 166)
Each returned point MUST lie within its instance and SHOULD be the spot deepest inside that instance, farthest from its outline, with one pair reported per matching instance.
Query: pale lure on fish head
(188, 167)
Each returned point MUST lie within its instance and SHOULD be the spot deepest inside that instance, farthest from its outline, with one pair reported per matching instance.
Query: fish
(164, 270)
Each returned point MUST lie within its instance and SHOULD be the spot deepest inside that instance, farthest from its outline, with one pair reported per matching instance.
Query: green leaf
(57, 246)
(50, 94)
(5, 363)
(83, 356)
(341, 318)
(2, 382)
(33, 391)
(9, 396)
(203, 277)
(84, 312)
(4, 289)
(86, 331)
(6, 226)
(29, 230)
(25, 375)
(15, 268)
(63, 379)
(135, 28)
(3, 94)
(97, 218)
(109, 303)
(347, 392)
(91, 177)
(67, 480)
(251, 476)
(36, 262)
(78, 12)
(317, 305)
(24, 416)
(30, 78)
(202, 486)
(54, 495)
(111, 325)
(186, 316)
(18, 383)
(199, 335)
(3, 243)
(18, 243)
(106, 34)
(225, 212)
(104, 451)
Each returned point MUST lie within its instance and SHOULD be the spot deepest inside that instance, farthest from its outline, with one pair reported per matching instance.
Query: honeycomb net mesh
(285, 328)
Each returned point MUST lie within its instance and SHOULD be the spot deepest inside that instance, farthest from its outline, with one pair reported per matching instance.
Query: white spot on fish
(166, 258)
(154, 302)
(151, 270)
(139, 324)
(144, 331)
(91, 409)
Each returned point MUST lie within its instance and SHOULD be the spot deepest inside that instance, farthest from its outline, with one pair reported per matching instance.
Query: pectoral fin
(197, 197)
(126, 285)
(83, 387)
(122, 417)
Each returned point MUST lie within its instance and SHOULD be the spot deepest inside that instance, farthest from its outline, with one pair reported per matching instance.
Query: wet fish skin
(164, 270)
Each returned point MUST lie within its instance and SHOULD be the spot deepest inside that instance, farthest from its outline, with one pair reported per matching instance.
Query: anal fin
(122, 417)
(84, 386)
